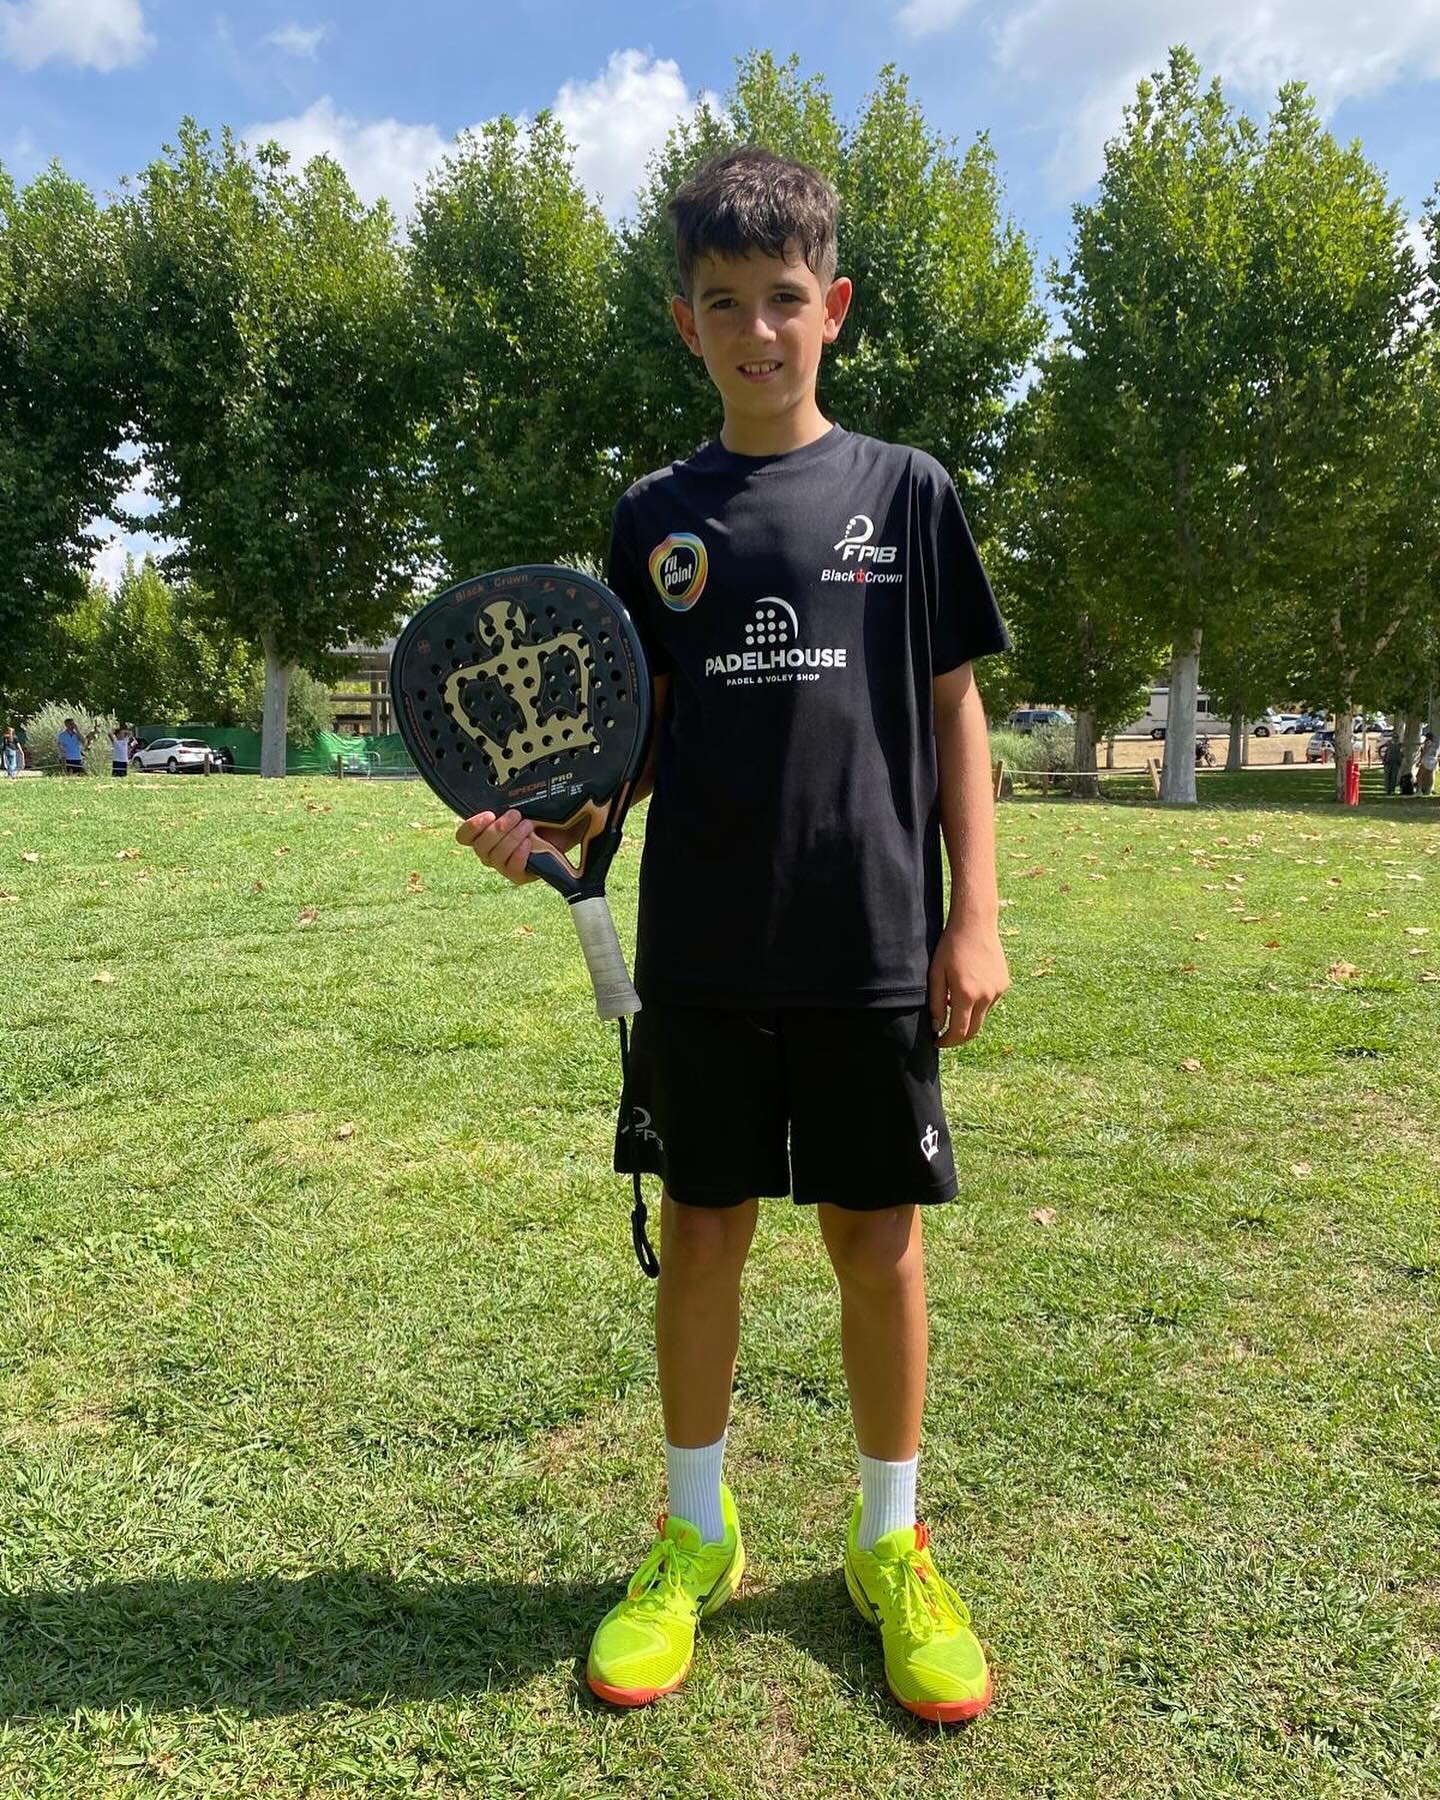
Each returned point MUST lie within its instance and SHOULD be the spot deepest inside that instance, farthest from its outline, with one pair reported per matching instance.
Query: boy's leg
(697, 1315)
(884, 1332)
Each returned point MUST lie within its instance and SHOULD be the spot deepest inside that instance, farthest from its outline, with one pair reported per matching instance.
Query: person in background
(1425, 771)
(120, 750)
(10, 753)
(72, 748)
(1392, 755)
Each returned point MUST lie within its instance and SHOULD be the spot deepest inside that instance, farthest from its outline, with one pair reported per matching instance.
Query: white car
(174, 755)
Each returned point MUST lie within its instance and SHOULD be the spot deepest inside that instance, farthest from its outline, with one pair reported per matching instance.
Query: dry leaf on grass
(1200, 937)
(259, 888)
(127, 856)
(413, 883)
(29, 856)
(523, 931)
(1417, 931)
(1300, 1168)
(284, 850)
(104, 977)
(1342, 971)
(1272, 943)
(1043, 1215)
(347, 1130)
(308, 915)
(1430, 974)
(1192, 1065)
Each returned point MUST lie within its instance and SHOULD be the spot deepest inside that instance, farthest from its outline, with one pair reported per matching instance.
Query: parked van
(1152, 721)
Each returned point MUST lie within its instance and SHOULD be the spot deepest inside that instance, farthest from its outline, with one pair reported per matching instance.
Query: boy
(811, 602)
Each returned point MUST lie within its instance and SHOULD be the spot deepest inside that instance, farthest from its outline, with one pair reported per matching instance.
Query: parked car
(175, 756)
(1321, 747)
(1027, 718)
(1268, 722)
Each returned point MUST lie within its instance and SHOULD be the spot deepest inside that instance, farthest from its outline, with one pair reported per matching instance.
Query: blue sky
(100, 84)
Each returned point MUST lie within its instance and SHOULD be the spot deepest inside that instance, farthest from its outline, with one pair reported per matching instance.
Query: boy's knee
(872, 1249)
(701, 1235)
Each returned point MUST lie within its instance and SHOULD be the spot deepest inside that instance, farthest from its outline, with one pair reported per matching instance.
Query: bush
(310, 707)
(42, 728)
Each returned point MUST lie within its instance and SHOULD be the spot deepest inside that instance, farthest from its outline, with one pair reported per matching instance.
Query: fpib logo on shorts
(678, 567)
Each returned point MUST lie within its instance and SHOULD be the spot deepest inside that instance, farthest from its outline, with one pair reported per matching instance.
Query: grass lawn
(328, 1422)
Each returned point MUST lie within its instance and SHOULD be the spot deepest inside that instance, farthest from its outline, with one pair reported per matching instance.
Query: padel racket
(526, 690)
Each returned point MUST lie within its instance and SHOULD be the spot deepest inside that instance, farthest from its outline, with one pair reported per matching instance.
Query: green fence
(327, 753)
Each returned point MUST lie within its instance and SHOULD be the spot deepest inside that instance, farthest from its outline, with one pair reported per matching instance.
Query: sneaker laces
(916, 1593)
(663, 1574)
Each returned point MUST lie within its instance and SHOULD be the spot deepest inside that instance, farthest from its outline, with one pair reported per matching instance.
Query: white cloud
(298, 40)
(618, 120)
(93, 34)
(1090, 53)
(384, 158)
(615, 122)
(924, 16)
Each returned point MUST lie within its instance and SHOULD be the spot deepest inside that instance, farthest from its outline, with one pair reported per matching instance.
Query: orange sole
(955, 1712)
(633, 1696)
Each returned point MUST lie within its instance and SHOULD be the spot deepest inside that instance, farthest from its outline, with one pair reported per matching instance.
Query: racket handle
(615, 998)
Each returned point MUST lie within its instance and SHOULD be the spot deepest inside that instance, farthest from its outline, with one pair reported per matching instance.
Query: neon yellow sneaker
(933, 1661)
(643, 1646)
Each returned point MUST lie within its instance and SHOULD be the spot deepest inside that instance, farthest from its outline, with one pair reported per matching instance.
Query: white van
(1152, 721)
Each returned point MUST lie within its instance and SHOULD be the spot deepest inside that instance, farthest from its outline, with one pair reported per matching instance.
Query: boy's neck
(773, 437)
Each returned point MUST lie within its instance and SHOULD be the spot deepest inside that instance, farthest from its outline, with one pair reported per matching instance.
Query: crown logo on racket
(538, 699)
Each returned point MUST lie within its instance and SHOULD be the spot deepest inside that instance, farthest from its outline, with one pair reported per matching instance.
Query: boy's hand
(506, 841)
(968, 975)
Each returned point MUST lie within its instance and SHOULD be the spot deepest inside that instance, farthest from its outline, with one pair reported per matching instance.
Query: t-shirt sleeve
(627, 577)
(965, 621)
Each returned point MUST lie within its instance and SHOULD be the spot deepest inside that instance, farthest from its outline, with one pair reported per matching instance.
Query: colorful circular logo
(678, 568)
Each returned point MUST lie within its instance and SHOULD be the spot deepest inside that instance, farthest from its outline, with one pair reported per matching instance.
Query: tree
(278, 399)
(1154, 307)
(944, 317)
(63, 403)
(1081, 638)
(1336, 445)
(509, 260)
(132, 675)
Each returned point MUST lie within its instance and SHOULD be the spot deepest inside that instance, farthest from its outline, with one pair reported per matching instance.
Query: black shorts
(723, 1106)
(119, 768)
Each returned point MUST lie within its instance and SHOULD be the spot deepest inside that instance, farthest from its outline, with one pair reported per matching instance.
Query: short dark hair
(751, 202)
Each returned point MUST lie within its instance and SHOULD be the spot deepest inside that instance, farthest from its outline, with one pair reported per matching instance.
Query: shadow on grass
(271, 1645)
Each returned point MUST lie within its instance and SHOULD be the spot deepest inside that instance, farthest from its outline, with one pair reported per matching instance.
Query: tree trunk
(1085, 783)
(276, 711)
(1235, 750)
(1177, 776)
(1344, 740)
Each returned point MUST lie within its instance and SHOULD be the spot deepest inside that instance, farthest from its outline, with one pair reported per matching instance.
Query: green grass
(321, 1450)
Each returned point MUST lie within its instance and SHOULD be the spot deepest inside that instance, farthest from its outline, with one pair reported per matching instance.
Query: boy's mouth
(761, 370)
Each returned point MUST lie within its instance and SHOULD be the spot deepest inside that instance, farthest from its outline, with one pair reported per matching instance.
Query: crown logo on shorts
(536, 698)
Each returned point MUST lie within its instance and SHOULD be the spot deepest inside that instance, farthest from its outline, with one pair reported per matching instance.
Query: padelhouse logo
(678, 568)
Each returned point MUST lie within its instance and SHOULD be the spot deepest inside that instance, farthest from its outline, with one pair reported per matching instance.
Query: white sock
(887, 1498)
(693, 1480)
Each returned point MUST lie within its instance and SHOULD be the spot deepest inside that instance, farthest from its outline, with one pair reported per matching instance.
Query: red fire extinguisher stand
(1352, 780)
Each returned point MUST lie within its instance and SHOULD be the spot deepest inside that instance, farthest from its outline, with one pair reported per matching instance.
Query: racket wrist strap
(639, 1237)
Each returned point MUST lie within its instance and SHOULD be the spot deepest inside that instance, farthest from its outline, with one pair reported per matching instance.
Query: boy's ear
(837, 304)
(683, 313)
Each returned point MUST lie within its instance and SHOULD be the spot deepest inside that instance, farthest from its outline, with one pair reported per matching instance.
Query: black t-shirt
(802, 605)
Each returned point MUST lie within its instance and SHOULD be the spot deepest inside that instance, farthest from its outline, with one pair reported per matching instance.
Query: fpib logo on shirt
(678, 567)
(865, 560)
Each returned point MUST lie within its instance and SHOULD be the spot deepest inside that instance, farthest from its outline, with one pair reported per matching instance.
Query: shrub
(42, 728)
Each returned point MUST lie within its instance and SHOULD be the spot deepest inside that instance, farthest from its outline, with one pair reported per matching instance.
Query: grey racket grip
(615, 998)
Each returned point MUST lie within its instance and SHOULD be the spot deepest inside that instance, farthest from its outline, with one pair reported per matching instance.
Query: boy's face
(760, 323)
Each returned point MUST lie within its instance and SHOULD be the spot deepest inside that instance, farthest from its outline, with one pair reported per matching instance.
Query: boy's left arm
(967, 972)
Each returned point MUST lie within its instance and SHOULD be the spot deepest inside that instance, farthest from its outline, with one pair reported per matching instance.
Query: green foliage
(63, 402)
(944, 316)
(59, 649)
(508, 260)
(310, 709)
(278, 356)
(47, 721)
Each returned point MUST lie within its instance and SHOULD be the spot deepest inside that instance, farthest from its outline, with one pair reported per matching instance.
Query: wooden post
(1153, 764)
(997, 775)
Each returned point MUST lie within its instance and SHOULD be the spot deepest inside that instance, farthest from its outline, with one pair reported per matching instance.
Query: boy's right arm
(504, 841)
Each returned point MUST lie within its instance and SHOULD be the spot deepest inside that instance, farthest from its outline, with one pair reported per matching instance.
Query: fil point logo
(678, 567)
(865, 560)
